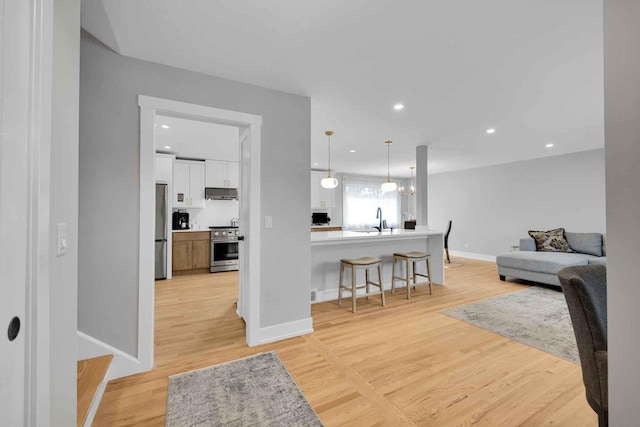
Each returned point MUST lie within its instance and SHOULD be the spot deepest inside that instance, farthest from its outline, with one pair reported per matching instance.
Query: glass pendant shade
(389, 186)
(329, 182)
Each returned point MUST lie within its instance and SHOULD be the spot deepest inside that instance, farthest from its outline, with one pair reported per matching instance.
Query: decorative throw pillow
(551, 241)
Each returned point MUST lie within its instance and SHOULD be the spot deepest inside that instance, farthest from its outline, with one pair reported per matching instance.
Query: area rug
(255, 391)
(536, 316)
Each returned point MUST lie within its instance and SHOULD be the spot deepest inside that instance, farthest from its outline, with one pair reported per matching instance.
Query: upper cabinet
(188, 184)
(164, 168)
(222, 174)
(321, 197)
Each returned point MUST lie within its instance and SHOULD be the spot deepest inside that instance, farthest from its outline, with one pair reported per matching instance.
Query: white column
(422, 198)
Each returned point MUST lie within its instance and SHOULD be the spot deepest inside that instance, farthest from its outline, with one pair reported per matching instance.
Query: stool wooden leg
(340, 285)
(414, 275)
(353, 289)
(393, 276)
(366, 278)
(406, 273)
(429, 274)
(380, 281)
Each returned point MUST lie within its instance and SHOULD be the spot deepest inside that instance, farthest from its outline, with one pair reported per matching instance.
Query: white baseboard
(97, 397)
(286, 330)
(122, 365)
(471, 255)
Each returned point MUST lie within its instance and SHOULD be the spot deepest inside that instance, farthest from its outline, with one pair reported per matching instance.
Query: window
(361, 198)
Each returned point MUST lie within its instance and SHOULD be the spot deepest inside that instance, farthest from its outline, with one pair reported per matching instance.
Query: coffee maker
(180, 220)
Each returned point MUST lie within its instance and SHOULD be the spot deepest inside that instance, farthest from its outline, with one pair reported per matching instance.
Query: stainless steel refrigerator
(161, 231)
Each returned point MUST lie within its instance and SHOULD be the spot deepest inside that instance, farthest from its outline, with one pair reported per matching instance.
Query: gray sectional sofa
(543, 267)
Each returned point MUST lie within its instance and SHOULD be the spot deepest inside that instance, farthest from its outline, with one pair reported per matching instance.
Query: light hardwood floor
(404, 364)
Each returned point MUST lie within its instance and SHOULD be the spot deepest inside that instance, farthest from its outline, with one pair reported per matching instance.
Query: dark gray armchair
(585, 289)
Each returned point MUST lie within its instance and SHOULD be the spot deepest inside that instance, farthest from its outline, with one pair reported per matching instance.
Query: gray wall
(64, 208)
(622, 144)
(493, 207)
(109, 187)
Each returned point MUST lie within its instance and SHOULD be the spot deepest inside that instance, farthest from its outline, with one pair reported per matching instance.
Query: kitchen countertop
(339, 237)
(192, 230)
(325, 226)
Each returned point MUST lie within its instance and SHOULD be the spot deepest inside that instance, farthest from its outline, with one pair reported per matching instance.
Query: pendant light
(329, 181)
(412, 187)
(389, 185)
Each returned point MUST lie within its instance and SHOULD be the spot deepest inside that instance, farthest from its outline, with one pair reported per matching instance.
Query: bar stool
(412, 257)
(360, 264)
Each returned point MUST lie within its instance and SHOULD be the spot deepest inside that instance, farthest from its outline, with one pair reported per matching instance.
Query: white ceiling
(196, 140)
(531, 69)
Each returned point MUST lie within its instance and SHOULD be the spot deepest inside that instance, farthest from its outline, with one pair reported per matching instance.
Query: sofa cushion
(542, 262)
(599, 261)
(585, 243)
(551, 240)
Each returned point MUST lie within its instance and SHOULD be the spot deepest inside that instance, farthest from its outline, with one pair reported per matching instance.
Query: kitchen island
(328, 248)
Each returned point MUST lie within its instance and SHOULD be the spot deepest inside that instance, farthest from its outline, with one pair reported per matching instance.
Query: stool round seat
(414, 254)
(361, 261)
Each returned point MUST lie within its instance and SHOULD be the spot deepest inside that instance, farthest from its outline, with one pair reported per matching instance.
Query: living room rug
(255, 391)
(536, 316)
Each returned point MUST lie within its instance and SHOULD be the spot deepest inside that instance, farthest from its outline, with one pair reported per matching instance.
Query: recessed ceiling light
(352, 151)
(165, 126)
(316, 164)
(167, 147)
(549, 145)
(398, 107)
(491, 130)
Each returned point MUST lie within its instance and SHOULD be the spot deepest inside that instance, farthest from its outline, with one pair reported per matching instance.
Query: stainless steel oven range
(224, 249)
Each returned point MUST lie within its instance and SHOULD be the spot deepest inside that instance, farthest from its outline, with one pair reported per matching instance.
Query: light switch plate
(62, 239)
(268, 222)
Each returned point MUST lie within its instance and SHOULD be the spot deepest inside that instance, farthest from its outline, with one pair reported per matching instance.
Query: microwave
(320, 218)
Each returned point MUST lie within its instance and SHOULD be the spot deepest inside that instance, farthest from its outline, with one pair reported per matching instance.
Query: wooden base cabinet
(191, 252)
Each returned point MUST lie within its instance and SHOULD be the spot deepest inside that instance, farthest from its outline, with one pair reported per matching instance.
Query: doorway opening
(181, 174)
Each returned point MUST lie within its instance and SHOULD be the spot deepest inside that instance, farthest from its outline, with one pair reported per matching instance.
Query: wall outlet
(268, 221)
(314, 295)
(62, 239)
(466, 245)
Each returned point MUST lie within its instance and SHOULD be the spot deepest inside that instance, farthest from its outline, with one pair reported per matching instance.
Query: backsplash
(215, 212)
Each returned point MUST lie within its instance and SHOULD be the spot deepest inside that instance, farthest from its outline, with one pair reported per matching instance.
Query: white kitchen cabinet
(164, 168)
(321, 197)
(222, 174)
(188, 184)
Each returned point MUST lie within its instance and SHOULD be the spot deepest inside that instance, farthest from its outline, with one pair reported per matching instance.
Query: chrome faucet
(379, 215)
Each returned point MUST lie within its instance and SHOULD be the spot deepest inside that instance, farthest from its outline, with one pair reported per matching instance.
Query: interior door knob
(14, 328)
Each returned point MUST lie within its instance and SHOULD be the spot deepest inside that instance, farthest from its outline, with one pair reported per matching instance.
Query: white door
(216, 173)
(14, 177)
(243, 306)
(181, 196)
(196, 184)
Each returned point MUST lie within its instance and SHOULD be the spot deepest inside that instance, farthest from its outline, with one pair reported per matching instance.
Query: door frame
(38, 42)
(249, 302)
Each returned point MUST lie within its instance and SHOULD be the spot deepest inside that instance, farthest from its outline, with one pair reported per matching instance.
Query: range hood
(212, 193)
